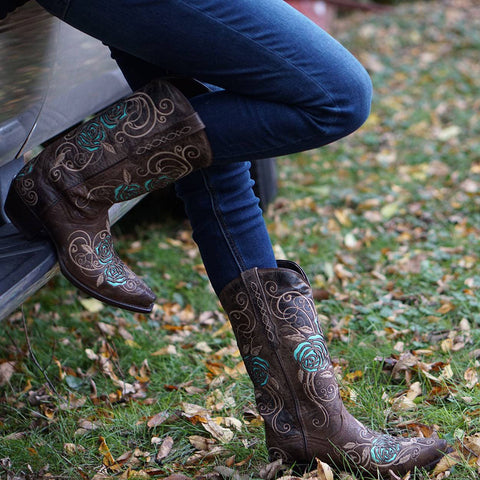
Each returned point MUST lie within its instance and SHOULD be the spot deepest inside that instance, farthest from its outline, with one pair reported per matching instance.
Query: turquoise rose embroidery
(116, 275)
(91, 137)
(155, 183)
(385, 449)
(126, 192)
(104, 251)
(258, 369)
(312, 354)
(113, 115)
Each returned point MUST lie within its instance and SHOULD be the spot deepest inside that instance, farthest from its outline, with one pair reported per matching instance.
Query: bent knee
(357, 101)
(350, 98)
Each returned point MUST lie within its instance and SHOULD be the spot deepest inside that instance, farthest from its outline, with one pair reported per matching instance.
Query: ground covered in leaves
(386, 224)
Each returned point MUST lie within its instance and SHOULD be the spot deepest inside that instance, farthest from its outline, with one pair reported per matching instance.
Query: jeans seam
(270, 52)
(221, 222)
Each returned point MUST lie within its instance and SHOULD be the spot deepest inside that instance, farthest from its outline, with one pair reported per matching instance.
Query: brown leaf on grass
(132, 458)
(102, 476)
(125, 334)
(141, 374)
(177, 476)
(346, 476)
(445, 308)
(168, 350)
(352, 377)
(324, 471)
(107, 329)
(270, 471)
(92, 305)
(134, 474)
(220, 433)
(15, 436)
(471, 377)
(165, 449)
(85, 426)
(108, 459)
(158, 419)
(203, 455)
(72, 448)
(72, 402)
(219, 400)
(252, 417)
(446, 463)
(197, 414)
(420, 429)
(406, 401)
(228, 473)
(202, 443)
(405, 363)
(47, 411)
(472, 444)
(125, 458)
(6, 371)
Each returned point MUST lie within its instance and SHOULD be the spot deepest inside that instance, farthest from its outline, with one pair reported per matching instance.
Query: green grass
(385, 221)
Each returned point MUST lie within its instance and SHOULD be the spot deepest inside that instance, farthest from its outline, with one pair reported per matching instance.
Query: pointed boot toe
(117, 286)
(432, 450)
(91, 263)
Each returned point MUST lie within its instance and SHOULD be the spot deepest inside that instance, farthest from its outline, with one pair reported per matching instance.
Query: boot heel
(22, 217)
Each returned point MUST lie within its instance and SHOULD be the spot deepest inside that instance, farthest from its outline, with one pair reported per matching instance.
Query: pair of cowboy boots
(139, 144)
(144, 143)
(274, 319)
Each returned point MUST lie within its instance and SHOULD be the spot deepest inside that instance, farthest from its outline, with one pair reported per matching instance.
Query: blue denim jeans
(282, 85)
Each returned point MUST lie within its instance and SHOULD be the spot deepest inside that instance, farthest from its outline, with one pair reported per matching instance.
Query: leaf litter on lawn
(386, 224)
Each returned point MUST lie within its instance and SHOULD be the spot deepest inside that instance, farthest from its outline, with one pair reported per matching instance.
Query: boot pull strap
(288, 264)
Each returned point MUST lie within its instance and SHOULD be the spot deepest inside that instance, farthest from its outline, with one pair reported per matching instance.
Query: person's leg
(288, 86)
(226, 220)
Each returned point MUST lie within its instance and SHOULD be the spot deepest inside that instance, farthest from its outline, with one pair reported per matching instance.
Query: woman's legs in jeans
(286, 86)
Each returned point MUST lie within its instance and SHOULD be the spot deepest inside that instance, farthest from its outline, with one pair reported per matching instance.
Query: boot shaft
(274, 319)
(138, 144)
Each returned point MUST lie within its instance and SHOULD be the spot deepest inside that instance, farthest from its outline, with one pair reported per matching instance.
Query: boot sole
(30, 226)
(302, 468)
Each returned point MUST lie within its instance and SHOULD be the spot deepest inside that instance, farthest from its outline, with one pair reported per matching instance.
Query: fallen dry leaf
(471, 377)
(220, 433)
(165, 449)
(324, 471)
(92, 305)
(108, 459)
(158, 419)
(107, 329)
(6, 372)
(472, 444)
(446, 463)
(201, 443)
(270, 471)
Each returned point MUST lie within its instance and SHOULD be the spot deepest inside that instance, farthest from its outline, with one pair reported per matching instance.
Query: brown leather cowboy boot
(139, 144)
(275, 322)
